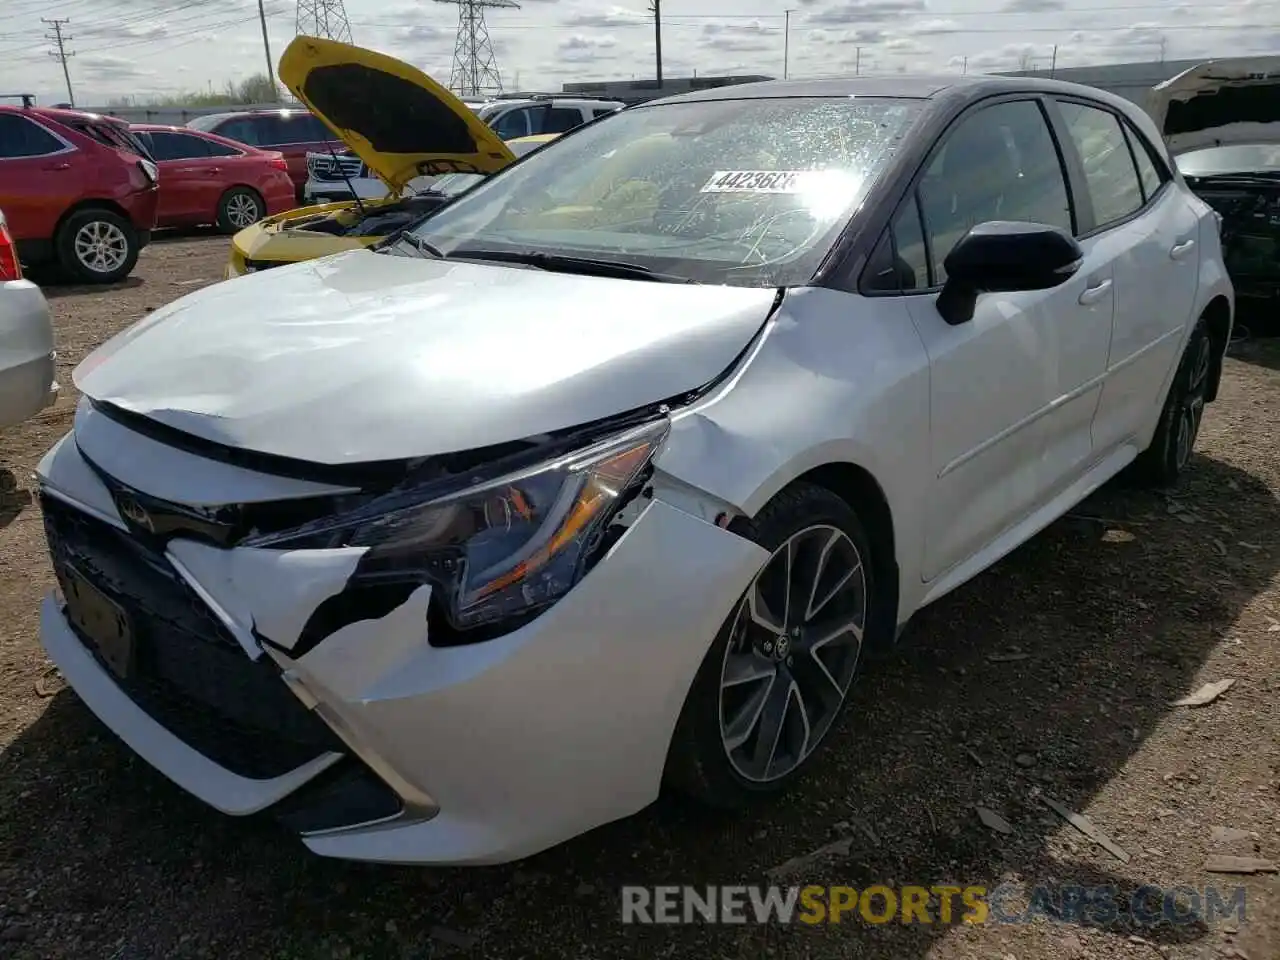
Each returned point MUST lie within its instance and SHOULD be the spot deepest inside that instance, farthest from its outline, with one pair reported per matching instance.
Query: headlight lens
(502, 548)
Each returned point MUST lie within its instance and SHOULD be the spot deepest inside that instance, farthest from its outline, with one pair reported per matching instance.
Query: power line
(61, 54)
(475, 66)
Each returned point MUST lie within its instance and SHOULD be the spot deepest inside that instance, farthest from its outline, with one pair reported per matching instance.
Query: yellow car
(424, 143)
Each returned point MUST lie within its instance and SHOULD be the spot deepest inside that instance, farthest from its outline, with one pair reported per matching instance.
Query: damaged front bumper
(375, 744)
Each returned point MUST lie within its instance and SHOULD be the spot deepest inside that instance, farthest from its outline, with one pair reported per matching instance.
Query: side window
(1108, 164)
(899, 263)
(315, 128)
(242, 129)
(1000, 163)
(512, 124)
(221, 149)
(1152, 177)
(559, 119)
(19, 137)
(177, 146)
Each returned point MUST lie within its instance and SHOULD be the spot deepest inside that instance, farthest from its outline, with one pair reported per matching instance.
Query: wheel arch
(1217, 316)
(92, 204)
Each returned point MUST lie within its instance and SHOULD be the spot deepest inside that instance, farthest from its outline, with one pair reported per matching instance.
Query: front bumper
(494, 750)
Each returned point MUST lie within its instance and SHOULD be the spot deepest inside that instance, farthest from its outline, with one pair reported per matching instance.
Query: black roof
(905, 86)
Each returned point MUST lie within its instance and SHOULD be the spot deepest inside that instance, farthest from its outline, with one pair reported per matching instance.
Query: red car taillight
(279, 162)
(10, 268)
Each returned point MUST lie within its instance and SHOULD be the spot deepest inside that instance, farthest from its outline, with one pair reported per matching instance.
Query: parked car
(291, 132)
(1222, 123)
(27, 357)
(511, 119)
(327, 228)
(208, 179)
(79, 190)
(439, 136)
(608, 473)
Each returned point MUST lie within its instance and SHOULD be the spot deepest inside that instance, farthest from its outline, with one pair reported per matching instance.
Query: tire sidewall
(697, 762)
(1164, 449)
(71, 264)
(224, 219)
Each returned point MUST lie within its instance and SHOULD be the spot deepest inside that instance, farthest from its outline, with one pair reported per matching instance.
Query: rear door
(190, 179)
(1013, 390)
(1132, 206)
(39, 176)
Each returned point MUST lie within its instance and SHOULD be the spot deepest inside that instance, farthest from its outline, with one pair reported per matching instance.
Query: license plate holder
(100, 620)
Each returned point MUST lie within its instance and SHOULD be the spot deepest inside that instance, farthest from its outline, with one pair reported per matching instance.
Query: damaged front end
(208, 614)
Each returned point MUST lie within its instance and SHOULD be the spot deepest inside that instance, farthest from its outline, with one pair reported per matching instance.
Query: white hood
(1219, 103)
(365, 356)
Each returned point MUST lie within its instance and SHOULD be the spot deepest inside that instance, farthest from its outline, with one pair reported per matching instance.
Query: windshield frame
(801, 265)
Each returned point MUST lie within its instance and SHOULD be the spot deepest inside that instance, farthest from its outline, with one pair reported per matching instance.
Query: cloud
(422, 33)
(905, 46)
(607, 19)
(1034, 6)
(103, 67)
(934, 28)
(863, 38)
(867, 11)
(585, 48)
(752, 36)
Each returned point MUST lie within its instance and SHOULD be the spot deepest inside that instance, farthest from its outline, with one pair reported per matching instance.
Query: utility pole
(786, 43)
(857, 62)
(655, 7)
(266, 46)
(61, 53)
(1053, 63)
(965, 68)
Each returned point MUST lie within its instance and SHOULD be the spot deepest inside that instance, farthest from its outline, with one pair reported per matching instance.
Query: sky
(139, 48)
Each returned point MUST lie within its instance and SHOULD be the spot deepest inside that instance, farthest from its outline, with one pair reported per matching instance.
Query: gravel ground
(1135, 600)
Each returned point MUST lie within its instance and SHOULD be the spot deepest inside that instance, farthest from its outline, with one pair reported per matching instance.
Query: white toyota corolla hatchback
(610, 473)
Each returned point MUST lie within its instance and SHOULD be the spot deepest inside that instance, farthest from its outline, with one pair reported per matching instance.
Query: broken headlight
(497, 549)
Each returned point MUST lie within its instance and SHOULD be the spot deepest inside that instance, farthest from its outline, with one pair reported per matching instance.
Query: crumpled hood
(366, 356)
(1219, 103)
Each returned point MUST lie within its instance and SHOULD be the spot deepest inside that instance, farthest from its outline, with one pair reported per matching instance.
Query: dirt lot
(1134, 601)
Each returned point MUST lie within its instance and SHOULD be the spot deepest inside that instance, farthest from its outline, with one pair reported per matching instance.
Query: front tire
(97, 246)
(778, 673)
(238, 208)
(1164, 461)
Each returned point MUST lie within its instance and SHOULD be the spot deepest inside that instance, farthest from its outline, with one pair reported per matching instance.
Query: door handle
(1180, 250)
(58, 166)
(1095, 293)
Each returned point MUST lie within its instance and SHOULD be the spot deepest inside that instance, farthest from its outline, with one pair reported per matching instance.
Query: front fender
(834, 379)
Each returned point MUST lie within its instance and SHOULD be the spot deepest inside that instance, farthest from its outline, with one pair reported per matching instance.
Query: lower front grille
(185, 670)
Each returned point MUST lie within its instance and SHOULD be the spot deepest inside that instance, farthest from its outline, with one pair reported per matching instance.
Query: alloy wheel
(242, 210)
(101, 246)
(1193, 401)
(792, 653)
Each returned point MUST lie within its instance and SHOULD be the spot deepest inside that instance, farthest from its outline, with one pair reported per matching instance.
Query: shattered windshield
(743, 192)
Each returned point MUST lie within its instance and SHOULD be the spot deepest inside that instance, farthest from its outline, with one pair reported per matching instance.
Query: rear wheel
(97, 246)
(777, 675)
(240, 207)
(1167, 457)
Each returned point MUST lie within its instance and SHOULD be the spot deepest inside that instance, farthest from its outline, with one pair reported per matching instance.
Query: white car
(607, 473)
(27, 357)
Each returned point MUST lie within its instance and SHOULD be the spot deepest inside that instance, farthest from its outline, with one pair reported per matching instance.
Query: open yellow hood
(398, 120)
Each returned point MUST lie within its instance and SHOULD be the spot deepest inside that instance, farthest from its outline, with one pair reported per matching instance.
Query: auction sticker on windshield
(756, 181)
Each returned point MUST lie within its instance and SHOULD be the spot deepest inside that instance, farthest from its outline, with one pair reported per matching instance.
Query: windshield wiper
(1259, 176)
(424, 247)
(563, 263)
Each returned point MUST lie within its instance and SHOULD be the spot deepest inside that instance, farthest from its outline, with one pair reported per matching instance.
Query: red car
(78, 189)
(205, 178)
(292, 132)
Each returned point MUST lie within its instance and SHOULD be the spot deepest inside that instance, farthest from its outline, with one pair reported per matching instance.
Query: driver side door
(1013, 390)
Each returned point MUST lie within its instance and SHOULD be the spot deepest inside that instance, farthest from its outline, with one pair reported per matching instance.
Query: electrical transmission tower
(475, 68)
(61, 54)
(324, 18)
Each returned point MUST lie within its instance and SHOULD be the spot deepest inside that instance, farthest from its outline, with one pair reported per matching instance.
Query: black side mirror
(1004, 256)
